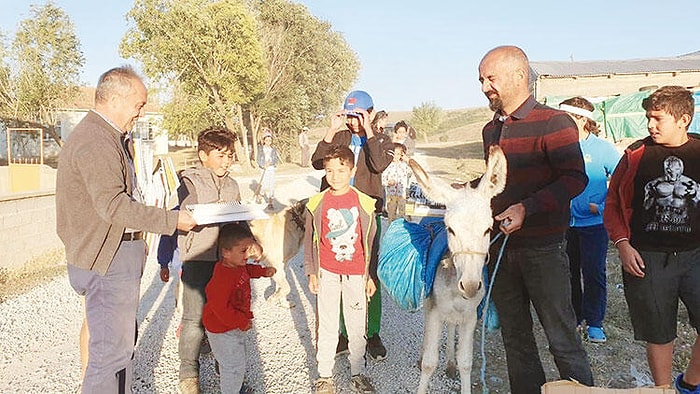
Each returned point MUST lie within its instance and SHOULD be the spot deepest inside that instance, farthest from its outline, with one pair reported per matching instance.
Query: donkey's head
(468, 217)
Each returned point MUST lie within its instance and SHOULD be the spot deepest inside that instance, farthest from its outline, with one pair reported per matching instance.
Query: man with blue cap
(372, 155)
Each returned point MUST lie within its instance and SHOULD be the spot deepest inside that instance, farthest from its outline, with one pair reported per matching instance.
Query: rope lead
(484, 388)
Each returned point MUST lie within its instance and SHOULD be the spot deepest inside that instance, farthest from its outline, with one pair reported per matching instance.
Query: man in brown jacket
(100, 217)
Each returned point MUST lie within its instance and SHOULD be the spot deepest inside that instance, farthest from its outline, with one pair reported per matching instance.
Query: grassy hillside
(462, 125)
(459, 125)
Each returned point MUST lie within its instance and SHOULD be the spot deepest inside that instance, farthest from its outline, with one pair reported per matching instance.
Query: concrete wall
(27, 227)
(47, 181)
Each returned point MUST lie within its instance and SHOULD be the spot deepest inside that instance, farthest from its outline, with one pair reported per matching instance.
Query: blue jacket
(600, 158)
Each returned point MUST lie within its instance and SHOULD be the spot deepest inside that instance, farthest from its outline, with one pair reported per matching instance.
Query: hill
(459, 125)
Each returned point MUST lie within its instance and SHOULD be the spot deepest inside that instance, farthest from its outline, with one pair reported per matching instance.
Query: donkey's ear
(434, 188)
(494, 179)
(421, 176)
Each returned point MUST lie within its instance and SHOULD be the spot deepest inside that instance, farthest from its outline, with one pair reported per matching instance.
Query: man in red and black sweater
(545, 171)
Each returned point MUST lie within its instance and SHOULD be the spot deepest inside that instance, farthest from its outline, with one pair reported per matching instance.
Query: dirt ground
(618, 363)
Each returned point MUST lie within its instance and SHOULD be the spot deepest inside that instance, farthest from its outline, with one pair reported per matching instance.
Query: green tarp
(623, 117)
(695, 124)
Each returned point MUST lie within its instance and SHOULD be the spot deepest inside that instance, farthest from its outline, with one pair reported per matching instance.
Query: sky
(413, 52)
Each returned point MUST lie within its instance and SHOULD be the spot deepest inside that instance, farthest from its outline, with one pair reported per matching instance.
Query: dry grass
(40, 270)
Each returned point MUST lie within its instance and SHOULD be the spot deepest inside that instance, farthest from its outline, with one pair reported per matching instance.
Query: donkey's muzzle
(470, 290)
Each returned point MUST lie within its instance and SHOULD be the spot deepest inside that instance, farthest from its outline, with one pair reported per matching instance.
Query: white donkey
(458, 287)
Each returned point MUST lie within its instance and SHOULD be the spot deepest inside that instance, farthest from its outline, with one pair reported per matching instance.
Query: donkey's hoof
(281, 302)
(451, 370)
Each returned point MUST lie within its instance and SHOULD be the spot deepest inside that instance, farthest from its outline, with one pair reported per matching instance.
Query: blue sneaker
(681, 390)
(596, 335)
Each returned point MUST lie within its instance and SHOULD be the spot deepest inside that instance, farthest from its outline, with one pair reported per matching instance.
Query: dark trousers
(195, 276)
(537, 275)
(587, 248)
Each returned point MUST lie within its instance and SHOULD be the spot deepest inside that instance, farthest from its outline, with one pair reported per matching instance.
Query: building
(148, 129)
(617, 87)
(604, 78)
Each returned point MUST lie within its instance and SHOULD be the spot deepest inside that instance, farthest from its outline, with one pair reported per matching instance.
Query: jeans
(587, 248)
(195, 276)
(537, 275)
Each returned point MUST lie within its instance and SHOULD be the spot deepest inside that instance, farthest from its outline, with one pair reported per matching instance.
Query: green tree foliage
(426, 118)
(187, 114)
(209, 49)
(244, 64)
(309, 69)
(7, 100)
(47, 54)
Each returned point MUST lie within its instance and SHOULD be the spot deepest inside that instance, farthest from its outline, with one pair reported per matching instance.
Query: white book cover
(225, 212)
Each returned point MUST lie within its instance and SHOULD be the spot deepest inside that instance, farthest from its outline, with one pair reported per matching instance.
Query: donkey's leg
(431, 346)
(279, 298)
(451, 368)
(465, 350)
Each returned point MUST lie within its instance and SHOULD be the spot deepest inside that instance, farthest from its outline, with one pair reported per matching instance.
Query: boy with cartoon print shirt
(351, 127)
(340, 229)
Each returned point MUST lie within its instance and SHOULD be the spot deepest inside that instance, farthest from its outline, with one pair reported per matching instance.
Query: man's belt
(135, 236)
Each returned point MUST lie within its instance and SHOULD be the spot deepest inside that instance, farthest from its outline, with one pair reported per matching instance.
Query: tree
(426, 118)
(186, 114)
(209, 49)
(48, 58)
(7, 97)
(309, 69)
(241, 64)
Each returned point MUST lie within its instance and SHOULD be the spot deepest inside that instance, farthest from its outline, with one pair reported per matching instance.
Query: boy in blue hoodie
(587, 240)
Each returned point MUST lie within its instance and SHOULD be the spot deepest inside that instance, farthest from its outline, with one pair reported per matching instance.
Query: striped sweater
(545, 169)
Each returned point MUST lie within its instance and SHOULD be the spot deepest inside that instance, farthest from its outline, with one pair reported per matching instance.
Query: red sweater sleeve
(255, 271)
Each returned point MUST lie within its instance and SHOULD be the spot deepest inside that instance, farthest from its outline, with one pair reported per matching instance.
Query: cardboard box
(569, 387)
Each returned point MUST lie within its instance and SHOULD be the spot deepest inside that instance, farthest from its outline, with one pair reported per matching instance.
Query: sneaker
(189, 386)
(596, 335)
(324, 386)
(342, 347)
(245, 389)
(376, 348)
(683, 390)
(360, 383)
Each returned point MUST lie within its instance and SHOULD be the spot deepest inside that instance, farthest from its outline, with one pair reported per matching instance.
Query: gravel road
(39, 336)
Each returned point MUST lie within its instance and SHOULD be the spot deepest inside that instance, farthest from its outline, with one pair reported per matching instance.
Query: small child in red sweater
(226, 315)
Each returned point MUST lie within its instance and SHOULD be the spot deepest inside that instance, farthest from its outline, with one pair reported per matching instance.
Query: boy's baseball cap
(358, 99)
